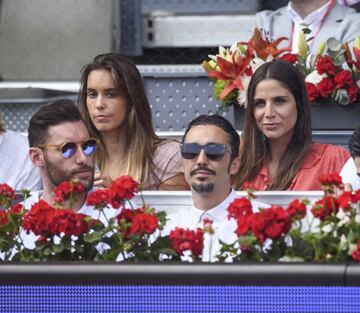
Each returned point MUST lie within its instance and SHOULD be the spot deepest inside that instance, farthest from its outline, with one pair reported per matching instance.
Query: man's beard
(202, 188)
(58, 175)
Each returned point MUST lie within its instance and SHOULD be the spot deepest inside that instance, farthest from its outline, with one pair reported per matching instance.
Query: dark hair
(255, 146)
(141, 139)
(354, 143)
(221, 122)
(59, 111)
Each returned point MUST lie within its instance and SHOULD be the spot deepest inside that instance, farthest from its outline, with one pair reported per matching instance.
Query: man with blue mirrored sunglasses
(61, 147)
(210, 151)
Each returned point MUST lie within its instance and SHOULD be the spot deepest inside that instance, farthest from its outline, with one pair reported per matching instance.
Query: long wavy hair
(2, 127)
(255, 146)
(141, 139)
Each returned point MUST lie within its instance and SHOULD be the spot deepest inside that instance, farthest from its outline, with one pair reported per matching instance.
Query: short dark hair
(59, 111)
(221, 122)
(354, 143)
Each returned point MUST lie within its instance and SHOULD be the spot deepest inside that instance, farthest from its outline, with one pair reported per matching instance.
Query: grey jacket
(342, 23)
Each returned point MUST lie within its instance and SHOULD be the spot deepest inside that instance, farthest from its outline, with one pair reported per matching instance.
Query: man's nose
(202, 158)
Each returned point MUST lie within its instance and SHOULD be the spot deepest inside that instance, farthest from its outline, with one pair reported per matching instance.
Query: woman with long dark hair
(277, 152)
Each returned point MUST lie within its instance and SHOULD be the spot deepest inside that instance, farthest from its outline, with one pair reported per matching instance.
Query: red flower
(4, 218)
(325, 207)
(243, 225)
(17, 209)
(143, 223)
(324, 64)
(122, 189)
(356, 254)
(331, 179)
(290, 57)
(137, 222)
(239, 207)
(343, 79)
(185, 239)
(65, 190)
(326, 87)
(44, 220)
(98, 198)
(296, 209)
(312, 91)
(6, 194)
(346, 199)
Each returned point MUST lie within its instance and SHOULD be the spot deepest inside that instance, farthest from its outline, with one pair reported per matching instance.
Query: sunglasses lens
(89, 147)
(68, 149)
(214, 151)
(190, 150)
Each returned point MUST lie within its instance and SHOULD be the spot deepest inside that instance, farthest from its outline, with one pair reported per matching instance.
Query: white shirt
(349, 174)
(223, 227)
(312, 21)
(16, 168)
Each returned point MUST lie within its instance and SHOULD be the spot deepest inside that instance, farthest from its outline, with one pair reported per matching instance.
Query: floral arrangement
(271, 234)
(332, 74)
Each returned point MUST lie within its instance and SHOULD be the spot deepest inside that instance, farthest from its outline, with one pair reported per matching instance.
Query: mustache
(83, 169)
(202, 168)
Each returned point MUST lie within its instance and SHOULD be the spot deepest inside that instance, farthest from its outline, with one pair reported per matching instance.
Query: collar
(311, 18)
(216, 214)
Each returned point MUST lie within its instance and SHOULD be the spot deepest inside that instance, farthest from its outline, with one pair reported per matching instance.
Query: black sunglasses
(68, 149)
(213, 151)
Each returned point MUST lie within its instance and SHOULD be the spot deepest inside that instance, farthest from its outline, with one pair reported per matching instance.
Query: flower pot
(324, 116)
(239, 116)
(331, 116)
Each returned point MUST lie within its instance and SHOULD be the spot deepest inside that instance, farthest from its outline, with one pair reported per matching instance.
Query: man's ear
(234, 166)
(36, 156)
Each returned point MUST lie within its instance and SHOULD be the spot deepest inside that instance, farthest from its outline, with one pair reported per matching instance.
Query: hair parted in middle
(255, 146)
(141, 137)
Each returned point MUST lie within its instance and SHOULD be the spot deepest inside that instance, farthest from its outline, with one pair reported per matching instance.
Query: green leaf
(93, 237)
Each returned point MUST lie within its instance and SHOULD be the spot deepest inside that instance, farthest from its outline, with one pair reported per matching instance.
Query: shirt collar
(216, 214)
(313, 17)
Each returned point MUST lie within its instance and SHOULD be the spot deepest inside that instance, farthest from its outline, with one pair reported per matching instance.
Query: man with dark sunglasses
(210, 149)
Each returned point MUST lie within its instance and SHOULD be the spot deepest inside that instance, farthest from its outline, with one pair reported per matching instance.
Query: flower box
(324, 116)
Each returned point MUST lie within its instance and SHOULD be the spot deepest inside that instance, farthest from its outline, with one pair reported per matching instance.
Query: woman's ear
(37, 156)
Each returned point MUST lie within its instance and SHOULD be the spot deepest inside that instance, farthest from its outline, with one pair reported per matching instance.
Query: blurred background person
(114, 105)
(351, 171)
(324, 18)
(16, 168)
(277, 151)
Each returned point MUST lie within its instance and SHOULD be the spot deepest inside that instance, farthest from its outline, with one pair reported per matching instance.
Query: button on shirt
(223, 227)
(312, 21)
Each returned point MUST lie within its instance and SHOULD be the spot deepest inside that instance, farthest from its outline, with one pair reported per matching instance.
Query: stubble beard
(58, 175)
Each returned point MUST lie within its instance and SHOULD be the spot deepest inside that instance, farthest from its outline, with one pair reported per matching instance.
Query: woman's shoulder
(167, 147)
(322, 149)
(326, 153)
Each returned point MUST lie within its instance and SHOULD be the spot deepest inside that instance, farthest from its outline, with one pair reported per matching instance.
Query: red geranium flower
(331, 179)
(325, 65)
(65, 190)
(324, 207)
(122, 189)
(239, 207)
(185, 239)
(312, 91)
(343, 79)
(290, 57)
(326, 87)
(297, 209)
(4, 218)
(352, 92)
(98, 198)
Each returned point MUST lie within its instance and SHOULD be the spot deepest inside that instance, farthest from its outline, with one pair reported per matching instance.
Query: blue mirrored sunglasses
(68, 149)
